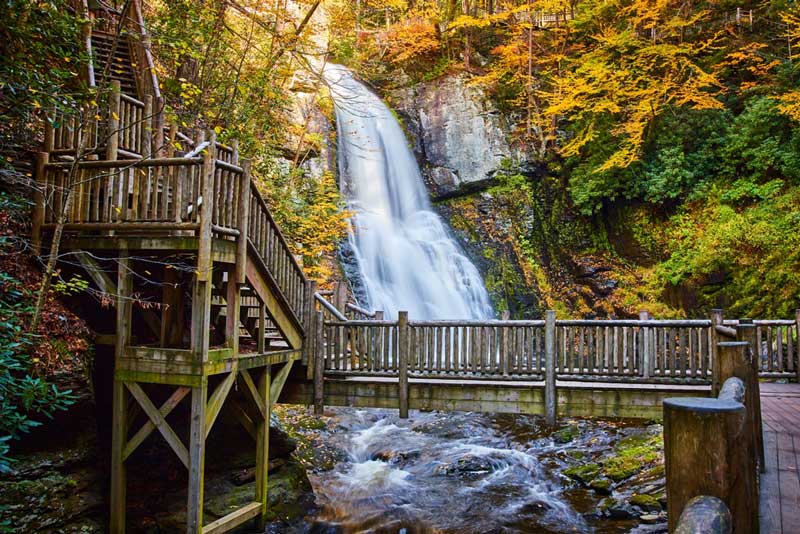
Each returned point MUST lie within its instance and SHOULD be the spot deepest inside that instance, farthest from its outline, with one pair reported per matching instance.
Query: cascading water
(406, 257)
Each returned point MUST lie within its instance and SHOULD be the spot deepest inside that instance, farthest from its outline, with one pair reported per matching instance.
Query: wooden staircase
(119, 65)
(240, 314)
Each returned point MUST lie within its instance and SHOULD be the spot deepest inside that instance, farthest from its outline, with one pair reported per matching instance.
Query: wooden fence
(648, 351)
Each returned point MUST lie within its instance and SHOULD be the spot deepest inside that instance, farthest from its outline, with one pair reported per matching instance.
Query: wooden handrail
(278, 232)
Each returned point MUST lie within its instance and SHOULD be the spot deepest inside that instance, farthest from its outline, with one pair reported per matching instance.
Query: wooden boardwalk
(780, 485)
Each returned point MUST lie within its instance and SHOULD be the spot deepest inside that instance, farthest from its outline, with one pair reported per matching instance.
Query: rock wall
(459, 136)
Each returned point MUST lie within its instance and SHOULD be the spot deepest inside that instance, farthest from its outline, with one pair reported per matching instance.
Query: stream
(449, 473)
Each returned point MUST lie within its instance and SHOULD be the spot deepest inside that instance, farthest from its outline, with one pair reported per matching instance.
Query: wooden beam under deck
(175, 366)
(222, 250)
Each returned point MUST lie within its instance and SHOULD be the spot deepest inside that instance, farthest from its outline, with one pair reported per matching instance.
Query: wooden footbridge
(207, 295)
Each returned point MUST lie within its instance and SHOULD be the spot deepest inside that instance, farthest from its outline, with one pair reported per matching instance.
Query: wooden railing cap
(703, 405)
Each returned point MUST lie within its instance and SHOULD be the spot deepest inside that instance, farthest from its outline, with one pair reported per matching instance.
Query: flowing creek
(465, 473)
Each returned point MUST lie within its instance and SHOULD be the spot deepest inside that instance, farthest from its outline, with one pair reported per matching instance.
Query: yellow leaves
(411, 39)
(790, 104)
(114, 115)
(36, 104)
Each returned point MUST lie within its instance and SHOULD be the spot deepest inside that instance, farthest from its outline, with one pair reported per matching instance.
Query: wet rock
(281, 445)
(601, 485)
(583, 473)
(611, 507)
(396, 457)
(566, 434)
(468, 465)
(645, 502)
(290, 495)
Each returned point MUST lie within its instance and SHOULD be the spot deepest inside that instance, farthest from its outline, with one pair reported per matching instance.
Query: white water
(406, 257)
(440, 473)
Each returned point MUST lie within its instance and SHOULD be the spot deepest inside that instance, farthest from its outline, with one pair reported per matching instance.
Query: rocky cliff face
(512, 218)
(460, 138)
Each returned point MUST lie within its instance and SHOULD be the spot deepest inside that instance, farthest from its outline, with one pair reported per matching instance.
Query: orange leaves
(412, 39)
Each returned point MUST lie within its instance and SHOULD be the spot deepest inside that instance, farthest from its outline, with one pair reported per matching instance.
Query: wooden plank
(788, 480)
(233, 519)
(769, 498)
(253, 391)
(278, 382)
(262, 443)
(217, 400)
(160, 423)
(146, 429)
(196, 460)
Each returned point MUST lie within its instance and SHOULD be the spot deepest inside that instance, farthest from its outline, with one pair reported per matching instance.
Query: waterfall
(405, 254)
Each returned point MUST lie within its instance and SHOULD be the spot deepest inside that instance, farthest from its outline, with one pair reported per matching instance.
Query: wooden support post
(262, 328)
(402, 364)
(201, 318)
(319, 365)
(703, 456)
(734, 361)
(716, 320)
(172, 321)
(309, 350)
(233, 303)
(197, 456)
(646, 361)
(340, 296)
(747, 332)
(796, 345)
(119, 426)
(550, 399)
(262, 444)
(39, 198)
(49, 133)
(204, 261)
(112, 141)
(243, 224)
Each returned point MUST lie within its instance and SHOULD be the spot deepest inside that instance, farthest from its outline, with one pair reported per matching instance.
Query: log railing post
(243, 224)
(716, 320)
(550, 400)
(402, 364)
(309, 349)
(796, 345)
(39, 198)
(747, 332)
(703, 455)
(207, 209)
(112, 134)
(645, 345)
(319, 364)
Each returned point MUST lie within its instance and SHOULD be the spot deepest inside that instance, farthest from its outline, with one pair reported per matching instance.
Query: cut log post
(197, 459)
(747, 333)
(645, 347)
(705, 514)
(262, 444)
(402, 352)
(704, 456)
(319, 366)
(39, 197)
(796, 345)
(550, 399)
(112, 143)
(716, 320)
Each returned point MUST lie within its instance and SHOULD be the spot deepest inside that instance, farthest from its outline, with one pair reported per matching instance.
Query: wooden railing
(648, 351)
(777, 347)
(268, 241)
(673, 351)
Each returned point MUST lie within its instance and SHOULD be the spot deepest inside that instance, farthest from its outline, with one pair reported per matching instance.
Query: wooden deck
(780, 485)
